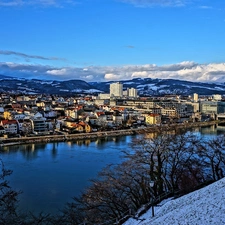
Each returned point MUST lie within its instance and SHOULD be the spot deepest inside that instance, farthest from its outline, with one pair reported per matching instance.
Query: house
(153, 119)
(10, 126)
(39, 123)
(76, 128)
(117, 117)
(50, 114)
(72, 112)
(25, 126)
(101, 118)
(7, 115)
(86, 126)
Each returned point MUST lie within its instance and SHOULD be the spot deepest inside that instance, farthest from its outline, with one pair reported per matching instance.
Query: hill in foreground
(203, 207)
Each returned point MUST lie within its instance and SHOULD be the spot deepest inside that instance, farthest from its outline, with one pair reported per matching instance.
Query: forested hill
(145, 87)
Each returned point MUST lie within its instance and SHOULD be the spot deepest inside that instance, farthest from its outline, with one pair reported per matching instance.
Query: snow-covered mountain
(148, 86)
(145, 87)
(203, 207)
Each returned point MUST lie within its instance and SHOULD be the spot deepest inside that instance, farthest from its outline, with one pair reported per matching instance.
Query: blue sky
(101, 40)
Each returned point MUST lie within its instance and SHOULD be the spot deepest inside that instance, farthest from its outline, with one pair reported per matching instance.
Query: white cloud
(190, 71)
(57, 72)
(111, 76)
(141, 74)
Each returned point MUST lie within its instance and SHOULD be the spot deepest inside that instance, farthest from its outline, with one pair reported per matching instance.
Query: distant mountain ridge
(145, 86)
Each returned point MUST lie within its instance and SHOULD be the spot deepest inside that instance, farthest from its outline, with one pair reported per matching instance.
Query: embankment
(95, 135)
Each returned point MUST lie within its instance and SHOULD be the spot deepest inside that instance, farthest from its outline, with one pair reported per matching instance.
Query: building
(10, 126)
(116, 89)
(195, 97)
(212, 107)
(153, 119)
(104, 96)
(132, 92)
(217, 97)
(39, 123)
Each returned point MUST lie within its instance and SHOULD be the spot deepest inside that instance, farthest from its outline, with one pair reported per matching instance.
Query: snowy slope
(203, 207)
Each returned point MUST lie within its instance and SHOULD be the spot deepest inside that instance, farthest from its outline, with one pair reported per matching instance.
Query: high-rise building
(195, 97)
(116, 89)
(132, 92)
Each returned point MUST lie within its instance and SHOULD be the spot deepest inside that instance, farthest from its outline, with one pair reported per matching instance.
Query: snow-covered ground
(205, 206)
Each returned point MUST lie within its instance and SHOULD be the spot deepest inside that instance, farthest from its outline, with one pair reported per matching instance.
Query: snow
(131, 82)
(92, 90)
(203, 207)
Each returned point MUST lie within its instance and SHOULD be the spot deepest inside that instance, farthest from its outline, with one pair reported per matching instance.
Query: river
(50, 174)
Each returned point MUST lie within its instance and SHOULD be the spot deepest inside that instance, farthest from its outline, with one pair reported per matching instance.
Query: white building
(39, 123)
(195, 97)
(10, 126)
(132, 92)
(217, 97)
(116, 89)
(104, 96)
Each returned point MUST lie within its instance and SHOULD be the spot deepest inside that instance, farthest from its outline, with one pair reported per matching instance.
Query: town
(38, 115)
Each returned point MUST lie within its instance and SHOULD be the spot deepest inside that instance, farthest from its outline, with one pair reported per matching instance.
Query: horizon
(113, 40)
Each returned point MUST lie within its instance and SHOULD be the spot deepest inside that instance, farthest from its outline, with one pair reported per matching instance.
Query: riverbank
(102, 134)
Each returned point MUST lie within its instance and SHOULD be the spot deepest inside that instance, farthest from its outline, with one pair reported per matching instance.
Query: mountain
(35, 86)
(202, 207)
(145, 86)
(157, 87)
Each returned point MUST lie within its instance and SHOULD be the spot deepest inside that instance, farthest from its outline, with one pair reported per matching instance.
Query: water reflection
(30, 151)
(50, 174)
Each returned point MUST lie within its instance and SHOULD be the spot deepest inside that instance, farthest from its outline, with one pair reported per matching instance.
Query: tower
(116, 89)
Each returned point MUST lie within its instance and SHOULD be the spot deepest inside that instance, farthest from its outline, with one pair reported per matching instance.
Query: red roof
(153, 114)
(4, 122)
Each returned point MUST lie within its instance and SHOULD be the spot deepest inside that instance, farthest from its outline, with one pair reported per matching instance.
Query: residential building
(116, 89)
(152, 119)
(10, 126)
(132, 92)
(39, 123)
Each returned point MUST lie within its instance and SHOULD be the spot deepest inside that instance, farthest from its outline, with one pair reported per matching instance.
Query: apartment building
(116, 89)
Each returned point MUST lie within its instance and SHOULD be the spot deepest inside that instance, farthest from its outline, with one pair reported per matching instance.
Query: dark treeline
(177, 163)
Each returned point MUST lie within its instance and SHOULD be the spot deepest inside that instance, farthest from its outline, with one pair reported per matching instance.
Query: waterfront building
(10, 126)
(170, 112)
(86, 126)
(212, 107)
(153, 119)
(116, 89)
(27, 127)
(192, 106)
(39, 123)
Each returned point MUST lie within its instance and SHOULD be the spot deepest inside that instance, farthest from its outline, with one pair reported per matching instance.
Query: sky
(203, 207)
(112, 40)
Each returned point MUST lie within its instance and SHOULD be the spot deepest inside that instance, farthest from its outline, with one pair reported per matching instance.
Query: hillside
(145, 87)
(203, 207)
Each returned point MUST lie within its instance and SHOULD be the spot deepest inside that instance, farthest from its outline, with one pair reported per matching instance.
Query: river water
(50, 174)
